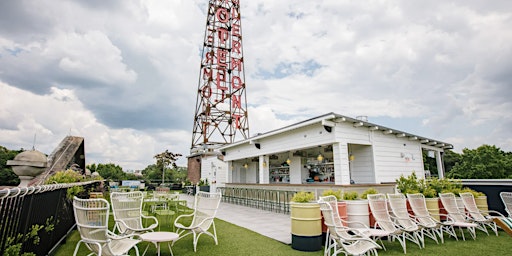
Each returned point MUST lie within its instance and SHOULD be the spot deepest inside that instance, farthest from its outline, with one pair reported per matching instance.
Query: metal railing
(22, 209)
(265, 199)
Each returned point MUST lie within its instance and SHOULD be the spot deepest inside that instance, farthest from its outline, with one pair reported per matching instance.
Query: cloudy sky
(123, 74)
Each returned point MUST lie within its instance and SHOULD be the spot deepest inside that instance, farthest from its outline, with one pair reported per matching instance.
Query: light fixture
(288, 161)
(246, 165)
(351, 157)
(264, 164)
(320, 158)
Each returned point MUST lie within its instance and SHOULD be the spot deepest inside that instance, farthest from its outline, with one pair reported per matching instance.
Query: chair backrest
(379, 208)
(127, 206)
(450, 205)
(506, 198)
(329, 217)
(469, 203)
(205, 206)
(91, 216)
(333, 202)
(398, 204)
(419, 208)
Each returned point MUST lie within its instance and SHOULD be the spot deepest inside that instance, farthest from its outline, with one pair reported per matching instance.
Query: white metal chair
(343, 239)
(459, 219)
(483, 218)
(379, 207)
(205, 208)
(91, 216)
(425, 219)
(361, 228)
(506, 198)
(127, 209)
(398, 204)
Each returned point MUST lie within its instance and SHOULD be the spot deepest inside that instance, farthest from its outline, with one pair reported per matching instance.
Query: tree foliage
(166, 163)
(111, 172)
(485, 162)
(7, 176)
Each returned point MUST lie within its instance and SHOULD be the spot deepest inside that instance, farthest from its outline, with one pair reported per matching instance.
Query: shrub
(367, 192)
(303, 197)
(350, 195)
(330, 192)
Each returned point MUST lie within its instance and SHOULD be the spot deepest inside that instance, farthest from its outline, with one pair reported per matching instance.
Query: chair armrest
(182, 216)
(358, 223)
(195, 226)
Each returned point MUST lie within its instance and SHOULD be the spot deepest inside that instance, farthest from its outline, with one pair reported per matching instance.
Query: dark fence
(44, 211)
(492, 189)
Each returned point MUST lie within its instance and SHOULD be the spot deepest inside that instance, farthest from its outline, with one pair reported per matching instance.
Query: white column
(341, 167)
(440, 165)
(264, 169)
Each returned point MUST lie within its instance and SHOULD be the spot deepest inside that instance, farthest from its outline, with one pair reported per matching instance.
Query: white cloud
(124, 74)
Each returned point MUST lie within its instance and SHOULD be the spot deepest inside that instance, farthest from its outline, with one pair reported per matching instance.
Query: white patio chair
(459, 219)
(426, 220)
(205, 208)
(363, 229)
(91, 216)
(506, 198)
(398, 204)
(483, 218)
(127, 209)
(379, 207)
(343, 239)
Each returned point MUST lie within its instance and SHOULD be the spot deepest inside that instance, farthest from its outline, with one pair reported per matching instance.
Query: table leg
(158, 248)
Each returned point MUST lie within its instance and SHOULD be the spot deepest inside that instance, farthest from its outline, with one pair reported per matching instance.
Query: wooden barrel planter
(358, 210)
(306, 226)
(433, 207)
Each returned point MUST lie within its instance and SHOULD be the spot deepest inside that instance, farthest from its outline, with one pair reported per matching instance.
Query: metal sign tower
(221, 105)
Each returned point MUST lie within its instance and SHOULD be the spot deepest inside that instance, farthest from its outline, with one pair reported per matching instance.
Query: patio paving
(271, 224)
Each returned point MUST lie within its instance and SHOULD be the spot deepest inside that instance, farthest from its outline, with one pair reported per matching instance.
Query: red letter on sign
(223, 35)
(209, 58)
(221, 79)
(236, 64)
(207, 73)
(222, 15)
(236, 46)
(221, 58)
(236, 30)
(235, 101)
(207, 91)
(236, 82)
(237, 120)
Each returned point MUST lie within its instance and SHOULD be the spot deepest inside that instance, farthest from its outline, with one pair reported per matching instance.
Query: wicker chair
(506, 198)
(91, 216)
(379, 207)
(459, 219)
(483, 218)
(343, 239)
(205, 208)
(127, 208)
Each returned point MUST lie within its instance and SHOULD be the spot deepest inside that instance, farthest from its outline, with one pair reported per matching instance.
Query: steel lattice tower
(221, 105)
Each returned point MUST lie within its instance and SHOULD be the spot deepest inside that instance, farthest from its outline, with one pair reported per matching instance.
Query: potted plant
(357, 209)
(306, 222)
(364, 195)
(204, 185)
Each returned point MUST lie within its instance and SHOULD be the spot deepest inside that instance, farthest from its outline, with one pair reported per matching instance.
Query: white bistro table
(159, 237)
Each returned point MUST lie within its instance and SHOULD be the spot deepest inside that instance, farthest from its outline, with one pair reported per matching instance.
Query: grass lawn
(234, 240)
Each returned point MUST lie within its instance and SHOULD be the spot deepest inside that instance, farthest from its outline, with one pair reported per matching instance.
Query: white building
(329, 149)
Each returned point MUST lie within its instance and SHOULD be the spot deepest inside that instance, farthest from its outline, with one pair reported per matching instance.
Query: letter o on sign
(222, 15)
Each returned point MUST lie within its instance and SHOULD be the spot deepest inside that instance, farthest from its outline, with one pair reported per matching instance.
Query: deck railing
(25, 210)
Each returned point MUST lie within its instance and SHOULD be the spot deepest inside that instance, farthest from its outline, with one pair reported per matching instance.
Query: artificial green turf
(234, 240)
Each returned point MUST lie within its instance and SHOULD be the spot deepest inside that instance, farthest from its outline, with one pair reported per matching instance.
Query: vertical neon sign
(221, 106)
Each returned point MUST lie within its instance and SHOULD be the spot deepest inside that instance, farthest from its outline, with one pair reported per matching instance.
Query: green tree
(485, 162)
(7, 176)
(109, 171)
(450, 158)
(164, 160)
